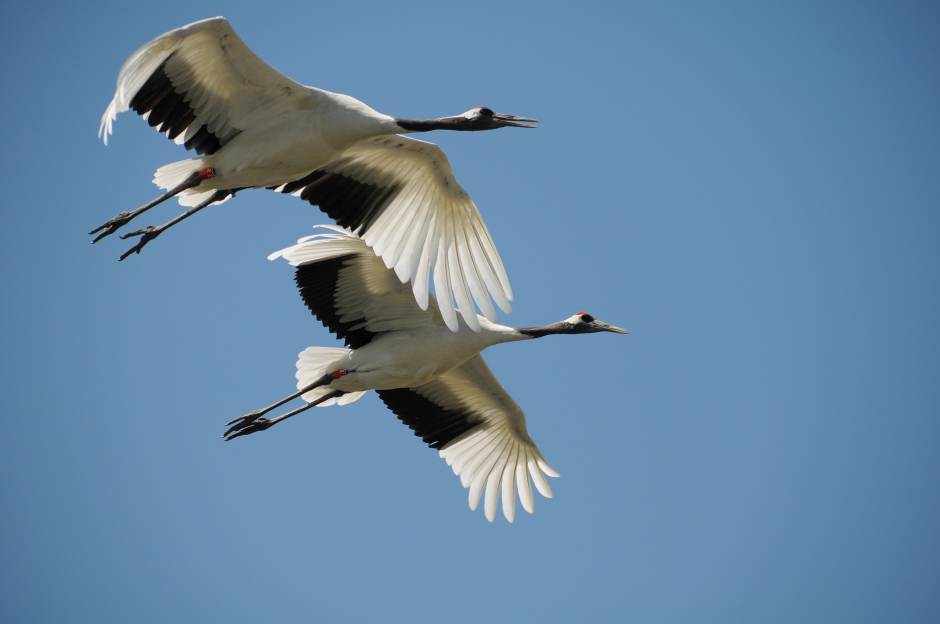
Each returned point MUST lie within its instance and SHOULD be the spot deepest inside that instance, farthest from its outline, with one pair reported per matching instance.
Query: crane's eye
(587, 318)
(486, 111)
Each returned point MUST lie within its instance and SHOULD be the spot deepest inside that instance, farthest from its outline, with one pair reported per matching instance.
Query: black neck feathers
(442, 123)
(562, 327)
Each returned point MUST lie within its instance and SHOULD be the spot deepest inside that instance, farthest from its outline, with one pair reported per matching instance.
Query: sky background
(752, 191)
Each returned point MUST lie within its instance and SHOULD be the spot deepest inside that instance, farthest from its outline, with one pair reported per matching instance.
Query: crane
(433, 379)
(252, 127)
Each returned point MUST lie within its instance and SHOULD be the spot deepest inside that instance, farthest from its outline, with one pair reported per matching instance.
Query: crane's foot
(249, 423)
(112, 226)
(147, 234)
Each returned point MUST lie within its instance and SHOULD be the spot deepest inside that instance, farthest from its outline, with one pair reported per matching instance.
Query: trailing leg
(259, 423)
(122, 219)
(322, 381)
(151, 232)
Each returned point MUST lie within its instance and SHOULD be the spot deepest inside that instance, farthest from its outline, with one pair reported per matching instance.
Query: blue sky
(752, 191)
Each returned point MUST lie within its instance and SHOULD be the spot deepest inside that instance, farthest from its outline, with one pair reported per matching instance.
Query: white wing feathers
(498, 453)
(228, 86)
(321, 246)
(431, 223)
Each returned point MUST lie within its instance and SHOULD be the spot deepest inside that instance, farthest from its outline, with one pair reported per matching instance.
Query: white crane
(434, 380)
(256, 128)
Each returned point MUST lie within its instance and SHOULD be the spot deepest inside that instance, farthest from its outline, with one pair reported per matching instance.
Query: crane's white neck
(347, 120)
(493, 333)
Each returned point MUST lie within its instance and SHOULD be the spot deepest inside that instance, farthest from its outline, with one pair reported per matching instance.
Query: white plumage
(434, 379)
(256, 128)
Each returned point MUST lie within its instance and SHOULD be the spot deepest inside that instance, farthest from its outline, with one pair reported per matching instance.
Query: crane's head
(482, 118)
(479, 118)
(580, 323)
(584, 323)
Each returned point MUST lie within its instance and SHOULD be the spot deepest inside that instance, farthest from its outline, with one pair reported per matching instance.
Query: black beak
(509, 120)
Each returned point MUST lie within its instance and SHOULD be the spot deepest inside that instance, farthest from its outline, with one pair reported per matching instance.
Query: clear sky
(752, 191)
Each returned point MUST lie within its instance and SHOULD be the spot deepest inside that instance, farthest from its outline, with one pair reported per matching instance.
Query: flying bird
(253, 127)
(434, 379)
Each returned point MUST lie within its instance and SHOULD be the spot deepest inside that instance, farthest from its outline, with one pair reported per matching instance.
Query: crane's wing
(481, 433)
(201, 85)
(400, 196)
(349, 289)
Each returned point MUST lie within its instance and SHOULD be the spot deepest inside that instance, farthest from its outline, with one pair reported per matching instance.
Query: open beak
(601, 326)
(509, 120)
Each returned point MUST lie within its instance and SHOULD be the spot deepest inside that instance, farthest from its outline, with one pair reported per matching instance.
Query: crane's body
(253, 127)
(283, 149)
(434, 379)
(413, 357)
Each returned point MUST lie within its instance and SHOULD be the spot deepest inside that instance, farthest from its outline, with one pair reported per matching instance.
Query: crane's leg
(122, 219)
(248, 419)
(322, 381)
(261, 423)
(151, 232)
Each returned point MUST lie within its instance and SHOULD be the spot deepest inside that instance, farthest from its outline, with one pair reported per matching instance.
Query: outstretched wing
(201, 85)
(401, 197)
(480, 432)
(351, 291)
